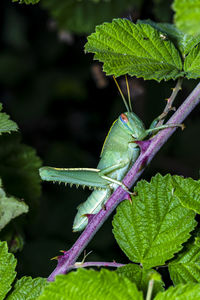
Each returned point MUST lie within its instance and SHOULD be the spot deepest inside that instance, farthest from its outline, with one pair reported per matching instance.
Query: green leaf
(187, 15)
(187, 191)
(26, 1)
(186, 268)
(19, 166)
(14, 237)
(6, 125)
(152, 229)
(7, 269)
(180, 292)
(183, 41)
(185, 272)
(90, 284)
(71, 15)
(141, 278)
(10, 208)
(27, 289)
(192, 63)
(139, 50)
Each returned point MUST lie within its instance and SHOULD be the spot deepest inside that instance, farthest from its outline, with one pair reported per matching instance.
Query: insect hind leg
(118, 183)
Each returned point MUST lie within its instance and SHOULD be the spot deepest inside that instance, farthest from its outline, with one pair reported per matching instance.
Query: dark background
(64, 106)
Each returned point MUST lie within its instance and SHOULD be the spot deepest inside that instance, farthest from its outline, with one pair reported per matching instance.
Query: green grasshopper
(118, 155)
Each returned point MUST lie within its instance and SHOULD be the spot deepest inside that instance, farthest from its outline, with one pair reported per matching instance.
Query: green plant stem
(150, 289)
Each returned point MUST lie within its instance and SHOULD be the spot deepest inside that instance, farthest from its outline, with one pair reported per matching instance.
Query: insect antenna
(128, 91)
(123, 98)
(85, 255)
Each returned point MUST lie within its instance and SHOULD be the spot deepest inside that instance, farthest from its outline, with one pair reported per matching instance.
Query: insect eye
(124, 118)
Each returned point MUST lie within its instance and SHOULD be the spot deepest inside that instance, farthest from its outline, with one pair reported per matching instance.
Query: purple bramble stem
(68, 259)
(148, 150)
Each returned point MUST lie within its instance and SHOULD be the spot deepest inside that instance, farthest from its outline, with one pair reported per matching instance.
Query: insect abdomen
(91, 206)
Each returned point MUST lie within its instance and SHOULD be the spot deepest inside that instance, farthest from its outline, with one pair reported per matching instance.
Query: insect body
(118, 154)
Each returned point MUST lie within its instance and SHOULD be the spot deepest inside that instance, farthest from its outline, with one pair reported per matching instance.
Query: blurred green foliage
(64, 107)
(184, 11)
(82, 16)
(26, 1)
(162, 10)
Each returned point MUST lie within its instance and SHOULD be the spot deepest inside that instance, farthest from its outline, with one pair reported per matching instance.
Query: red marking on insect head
(124, 118)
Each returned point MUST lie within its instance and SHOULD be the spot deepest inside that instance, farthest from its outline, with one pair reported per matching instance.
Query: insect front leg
(156, 129)
(182, 126)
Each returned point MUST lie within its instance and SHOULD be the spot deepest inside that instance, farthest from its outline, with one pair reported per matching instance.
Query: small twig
(170, 101)
(97, 264)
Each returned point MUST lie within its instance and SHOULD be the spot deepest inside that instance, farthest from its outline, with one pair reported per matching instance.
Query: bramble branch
(149, 149)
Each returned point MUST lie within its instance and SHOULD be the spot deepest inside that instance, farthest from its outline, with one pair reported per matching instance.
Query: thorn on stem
(130, 200)
(182, 126)
(89, 216)
(143, 144)
(54, 258)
